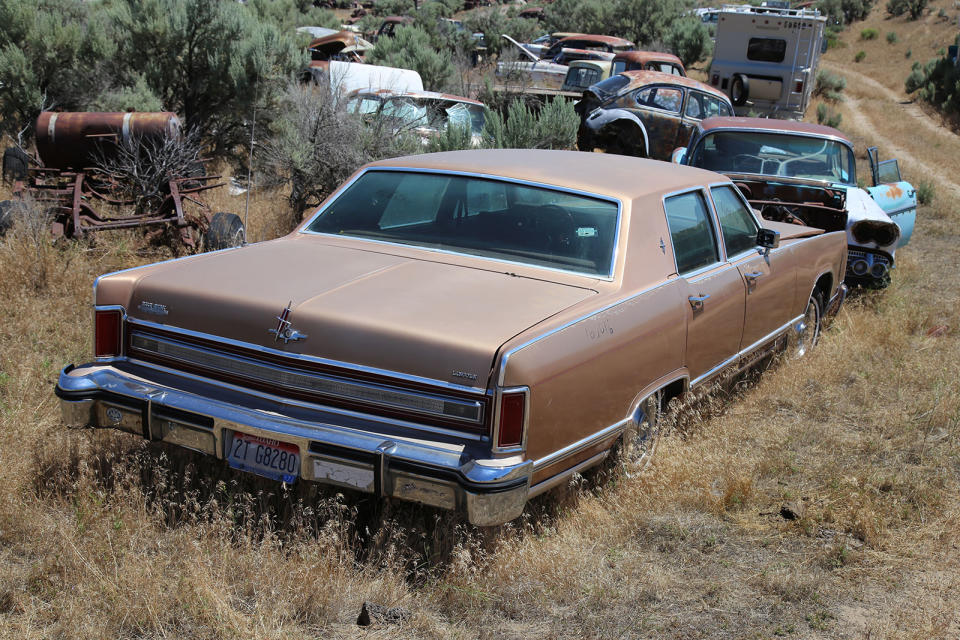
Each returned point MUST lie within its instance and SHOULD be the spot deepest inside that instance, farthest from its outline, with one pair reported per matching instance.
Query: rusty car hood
(427, 317)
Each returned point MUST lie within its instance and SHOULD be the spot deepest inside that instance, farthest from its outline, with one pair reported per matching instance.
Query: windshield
(776, 154)
(435, 114)
(484, 217)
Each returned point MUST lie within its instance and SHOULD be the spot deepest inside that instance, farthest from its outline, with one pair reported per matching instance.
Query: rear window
(579, 78)
(497, 219)
(766, 49)
(610, 86)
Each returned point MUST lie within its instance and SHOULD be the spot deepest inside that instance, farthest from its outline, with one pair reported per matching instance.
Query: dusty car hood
(420, 317)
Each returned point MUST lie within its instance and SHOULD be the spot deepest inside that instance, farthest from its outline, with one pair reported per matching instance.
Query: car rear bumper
(203, 417)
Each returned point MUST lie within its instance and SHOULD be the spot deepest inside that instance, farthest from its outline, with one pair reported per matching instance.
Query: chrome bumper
(190, 413)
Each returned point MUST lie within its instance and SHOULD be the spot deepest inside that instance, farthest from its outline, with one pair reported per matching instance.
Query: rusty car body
(806, 173)
(588, 42)
(70, 179)
(341, 45)
(648, 61)
(645, 113)
(464, 329)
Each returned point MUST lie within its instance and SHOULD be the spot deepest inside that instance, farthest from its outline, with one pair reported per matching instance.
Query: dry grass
(105, 536)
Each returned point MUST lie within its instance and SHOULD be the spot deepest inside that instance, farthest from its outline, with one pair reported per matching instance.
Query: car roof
(773, 125)
(623, 177)
(609, 40)
(430, 95)
(640, 78)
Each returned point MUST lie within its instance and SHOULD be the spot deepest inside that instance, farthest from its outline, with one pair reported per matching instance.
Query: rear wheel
(626, 140)
(807, 331)
(225, 231)
(642, 437)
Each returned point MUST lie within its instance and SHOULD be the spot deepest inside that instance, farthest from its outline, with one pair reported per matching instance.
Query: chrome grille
(308, 381)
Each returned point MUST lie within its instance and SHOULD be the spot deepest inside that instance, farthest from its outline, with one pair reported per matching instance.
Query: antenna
(253, 128)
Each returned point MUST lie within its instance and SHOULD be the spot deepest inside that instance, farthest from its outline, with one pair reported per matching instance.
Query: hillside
(104, 536)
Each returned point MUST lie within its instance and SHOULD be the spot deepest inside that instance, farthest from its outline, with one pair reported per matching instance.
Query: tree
(646, 22)
(211, 61)
(52, 54)
(411, 48)
(689, 40)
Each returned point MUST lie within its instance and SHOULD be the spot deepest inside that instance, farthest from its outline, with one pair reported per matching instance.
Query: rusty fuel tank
(74, 140)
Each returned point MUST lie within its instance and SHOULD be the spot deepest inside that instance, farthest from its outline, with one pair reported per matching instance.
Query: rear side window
(766, 49)
(694, 242)
(737, 224)
(701, 105)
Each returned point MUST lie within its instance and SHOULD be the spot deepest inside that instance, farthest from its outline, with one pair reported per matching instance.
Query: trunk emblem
(284, 331)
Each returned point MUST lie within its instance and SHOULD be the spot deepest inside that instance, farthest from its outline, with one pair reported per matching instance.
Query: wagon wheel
(225, 231)
(15, 164)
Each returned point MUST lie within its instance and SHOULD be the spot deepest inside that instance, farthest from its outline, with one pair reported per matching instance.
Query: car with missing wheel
(464, 329)
(806, 173)
(645, 113)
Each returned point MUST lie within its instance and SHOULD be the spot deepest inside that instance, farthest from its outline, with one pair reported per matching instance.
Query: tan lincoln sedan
(463, 329)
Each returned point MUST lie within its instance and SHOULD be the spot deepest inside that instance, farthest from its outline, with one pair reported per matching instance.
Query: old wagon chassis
(69, 196)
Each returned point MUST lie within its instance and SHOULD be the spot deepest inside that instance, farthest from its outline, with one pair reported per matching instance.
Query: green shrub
(925, 192)
(828, 117)
(914, 7)
(555, 127)
(845, 11)
(868, 34)
(908, 53)
(830, 85)
(860, 56)
(937, 83)
(892, 37)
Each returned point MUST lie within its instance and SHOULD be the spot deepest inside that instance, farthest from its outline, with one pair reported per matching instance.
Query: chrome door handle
(697, 301)
(753, 275)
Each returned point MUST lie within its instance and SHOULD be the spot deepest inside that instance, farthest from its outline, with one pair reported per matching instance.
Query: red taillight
(106, 333)
(798, 88)
(512, 406)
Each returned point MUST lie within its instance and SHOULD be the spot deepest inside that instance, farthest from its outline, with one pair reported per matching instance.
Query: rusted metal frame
(75, 212)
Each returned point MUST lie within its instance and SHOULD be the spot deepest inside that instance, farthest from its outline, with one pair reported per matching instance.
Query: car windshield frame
(604, 271)
(772, 153)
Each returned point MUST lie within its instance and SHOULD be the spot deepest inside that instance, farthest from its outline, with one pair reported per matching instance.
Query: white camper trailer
(766, 58)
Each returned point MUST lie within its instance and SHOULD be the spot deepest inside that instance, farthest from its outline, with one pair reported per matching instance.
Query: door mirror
(679, 155)
(768, 238)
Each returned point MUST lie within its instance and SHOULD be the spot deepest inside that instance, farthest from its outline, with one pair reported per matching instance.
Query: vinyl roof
(622, 177)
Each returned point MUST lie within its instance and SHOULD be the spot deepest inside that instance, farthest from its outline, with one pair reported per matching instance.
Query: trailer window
(766, 49)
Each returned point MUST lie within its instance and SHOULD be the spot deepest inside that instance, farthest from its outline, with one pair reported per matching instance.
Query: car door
(714, 289)
(769, 278)
(659, 109)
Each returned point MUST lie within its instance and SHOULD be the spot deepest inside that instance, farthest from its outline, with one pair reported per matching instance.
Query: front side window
(498, 219)
(694, 243)
(766, 49)
(737, 224)
(666, 98)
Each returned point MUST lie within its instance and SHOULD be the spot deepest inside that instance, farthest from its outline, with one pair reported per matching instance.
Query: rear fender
(603, 118)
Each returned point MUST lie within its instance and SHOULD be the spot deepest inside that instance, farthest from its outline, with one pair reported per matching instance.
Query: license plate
(263, 456)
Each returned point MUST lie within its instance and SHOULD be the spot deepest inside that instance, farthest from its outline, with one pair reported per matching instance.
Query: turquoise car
(806, 174)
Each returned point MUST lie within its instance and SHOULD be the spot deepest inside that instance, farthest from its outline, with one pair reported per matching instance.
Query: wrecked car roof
(428, 95)
(772, 125)
(641, 78)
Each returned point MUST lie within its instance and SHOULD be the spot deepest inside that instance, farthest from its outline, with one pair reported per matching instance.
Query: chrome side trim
(556, 480)
(579, 445)
(506, 356)
(382, 395)
(609, 276)
(387, 373)
(770, 336)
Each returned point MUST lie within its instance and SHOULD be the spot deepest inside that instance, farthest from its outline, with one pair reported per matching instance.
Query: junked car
(541, 73)
(806, 173)
(424, 113)
(645, 113)
(648, 61)
(464, 329)
(589, 42)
